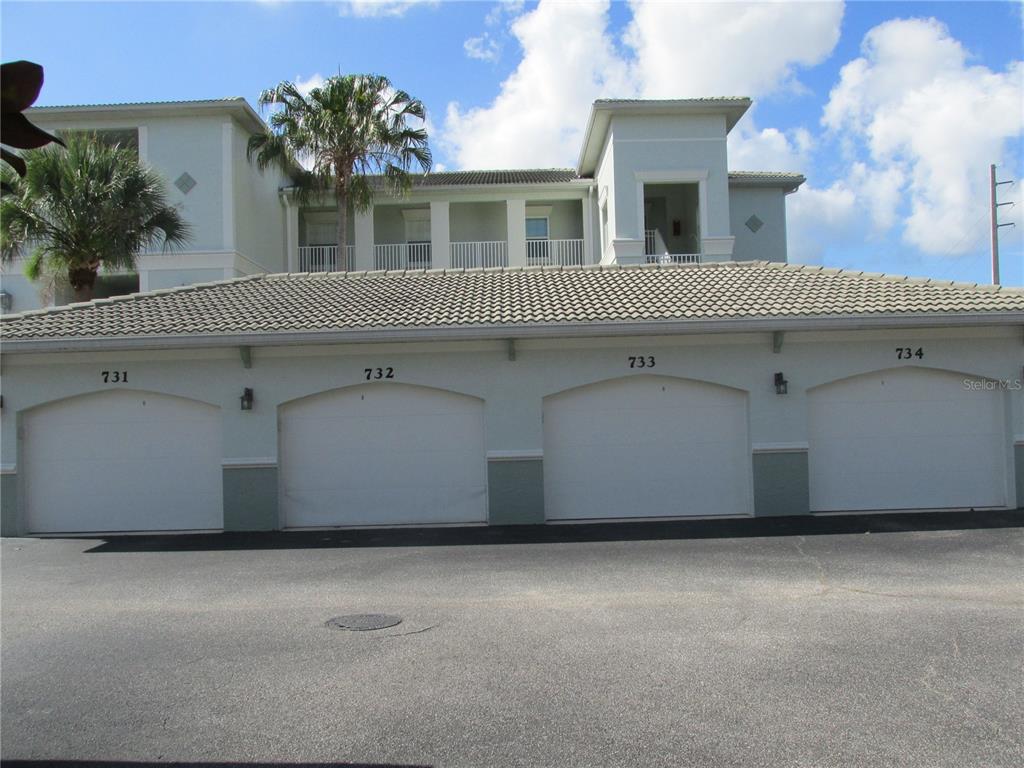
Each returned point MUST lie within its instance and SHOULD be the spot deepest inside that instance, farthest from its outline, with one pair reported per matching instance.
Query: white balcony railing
(655, 255)
(564, 253)
(482, 253)
(401, 256)
(673, 258)
(650, 240)
(324, 258)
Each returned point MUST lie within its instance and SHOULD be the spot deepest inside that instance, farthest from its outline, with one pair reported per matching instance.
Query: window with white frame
(417, 225)
(537, 228)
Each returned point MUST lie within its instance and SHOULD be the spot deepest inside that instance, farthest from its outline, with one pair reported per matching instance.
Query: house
(628, 201)
(623, 340)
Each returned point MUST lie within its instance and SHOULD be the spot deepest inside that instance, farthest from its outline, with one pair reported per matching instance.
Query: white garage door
(384, 454)
(646, 446)
(905, 439)
(123, 461)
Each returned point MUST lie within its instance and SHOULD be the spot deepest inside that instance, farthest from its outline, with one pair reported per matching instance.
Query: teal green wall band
(250, 499)
(781, 484)
(515, 492)
(9, 505)
(1018, 455)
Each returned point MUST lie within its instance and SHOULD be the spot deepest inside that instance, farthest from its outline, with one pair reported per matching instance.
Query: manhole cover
(360, 622)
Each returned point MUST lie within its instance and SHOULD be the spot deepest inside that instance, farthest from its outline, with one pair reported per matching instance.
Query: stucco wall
(470, 222)
(193, 145)
(769, 205)
(565, 217)
(25, 294)
(259, 220)
(389, 222)
(667, 145)
(514, 390)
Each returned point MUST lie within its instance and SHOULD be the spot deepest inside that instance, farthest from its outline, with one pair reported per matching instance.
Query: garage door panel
(123, 461)
(905, 439)
(646, 446)
(383, 454)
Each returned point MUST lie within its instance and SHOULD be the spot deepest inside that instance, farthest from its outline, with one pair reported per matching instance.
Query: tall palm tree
(350, 128)
(92, 205)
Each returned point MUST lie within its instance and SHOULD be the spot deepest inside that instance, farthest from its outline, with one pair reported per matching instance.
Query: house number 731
(114, 377)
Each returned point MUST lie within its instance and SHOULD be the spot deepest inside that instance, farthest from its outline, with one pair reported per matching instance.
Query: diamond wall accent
(185, 183)
(754, 223)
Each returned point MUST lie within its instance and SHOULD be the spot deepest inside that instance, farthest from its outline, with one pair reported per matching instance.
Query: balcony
(562, 253)
(479, 254)
(324, 258)
(400, 256)
(656, 252)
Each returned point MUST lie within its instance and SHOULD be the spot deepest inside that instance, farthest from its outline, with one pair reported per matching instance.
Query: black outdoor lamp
(781, 385)
(246, 399)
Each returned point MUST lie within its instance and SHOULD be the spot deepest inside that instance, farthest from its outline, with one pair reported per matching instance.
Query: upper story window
(417, 225)
(537, 228)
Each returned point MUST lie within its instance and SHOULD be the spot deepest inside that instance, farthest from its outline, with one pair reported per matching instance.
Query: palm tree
(92, 205)
(347, 130)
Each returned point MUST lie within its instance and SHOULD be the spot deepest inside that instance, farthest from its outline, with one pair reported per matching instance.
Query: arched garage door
(123, 461)
(646, 446)
(908, 438)
(383, 454)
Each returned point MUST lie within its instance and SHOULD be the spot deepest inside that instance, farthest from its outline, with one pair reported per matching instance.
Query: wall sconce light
(246, 399)
(781, 385)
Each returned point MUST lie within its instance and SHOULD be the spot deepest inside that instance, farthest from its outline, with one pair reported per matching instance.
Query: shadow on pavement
(805, 525)
(187, 764)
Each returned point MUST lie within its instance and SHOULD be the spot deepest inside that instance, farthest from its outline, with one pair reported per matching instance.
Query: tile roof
(502, 300)
(509, 176)
(103, 105)
(767, 178)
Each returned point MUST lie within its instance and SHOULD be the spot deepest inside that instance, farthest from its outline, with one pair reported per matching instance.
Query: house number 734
(905, 353)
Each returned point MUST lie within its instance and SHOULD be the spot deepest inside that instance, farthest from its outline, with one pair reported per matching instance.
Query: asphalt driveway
(862, 641)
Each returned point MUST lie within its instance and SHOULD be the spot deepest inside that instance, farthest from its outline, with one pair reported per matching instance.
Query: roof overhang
(238, 108)
(788, 182)
(602, 111)
(520, 331)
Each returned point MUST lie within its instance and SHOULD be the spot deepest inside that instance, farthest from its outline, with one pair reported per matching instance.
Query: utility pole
(996, 205)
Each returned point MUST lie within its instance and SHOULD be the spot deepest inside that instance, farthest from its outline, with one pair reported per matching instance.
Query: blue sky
(892, 110)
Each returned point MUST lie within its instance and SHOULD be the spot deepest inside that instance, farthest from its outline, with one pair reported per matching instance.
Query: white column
(291, 213)
(440, 253)
(516, 212)
(587, 205)
(364, 240)
(227, 182)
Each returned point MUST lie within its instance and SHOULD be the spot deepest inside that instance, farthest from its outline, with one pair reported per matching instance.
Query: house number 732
(114, 377)
(378, 373)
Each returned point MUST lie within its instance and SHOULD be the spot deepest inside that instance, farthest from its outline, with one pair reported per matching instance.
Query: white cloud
(308, 84)
(539, 115)
(365, 8)
(484, 48)
(727, 49)
(671, 50)
(929, 123)
(753, 149)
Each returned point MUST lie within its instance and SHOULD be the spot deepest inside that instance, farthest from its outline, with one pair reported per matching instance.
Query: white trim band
(254, 463)
(780, 447)
(520, 455)
(8, 469)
